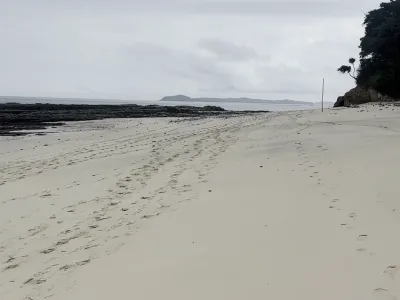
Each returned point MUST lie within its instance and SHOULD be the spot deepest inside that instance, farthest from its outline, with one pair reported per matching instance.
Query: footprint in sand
(383, 294)
(45, 194)
(391, 271)
(11, 267)
(77, 264)
(150, 216)
(362, 237)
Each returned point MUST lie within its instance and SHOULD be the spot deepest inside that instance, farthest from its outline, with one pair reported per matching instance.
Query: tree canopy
(379, 66)
(351, 70)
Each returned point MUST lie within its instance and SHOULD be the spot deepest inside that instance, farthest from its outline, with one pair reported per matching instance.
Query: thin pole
(323, 90)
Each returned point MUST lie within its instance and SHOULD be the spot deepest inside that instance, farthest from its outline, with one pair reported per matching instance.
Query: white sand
(152, 209)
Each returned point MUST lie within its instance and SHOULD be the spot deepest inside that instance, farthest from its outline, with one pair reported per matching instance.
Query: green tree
(380, 50)
(351, 70)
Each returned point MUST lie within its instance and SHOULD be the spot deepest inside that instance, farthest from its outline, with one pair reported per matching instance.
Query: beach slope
(296, 205)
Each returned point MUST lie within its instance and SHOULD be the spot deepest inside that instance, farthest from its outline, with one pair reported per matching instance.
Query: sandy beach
(289, 205)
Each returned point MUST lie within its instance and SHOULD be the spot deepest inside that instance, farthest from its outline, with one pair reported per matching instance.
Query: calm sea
(226, 105)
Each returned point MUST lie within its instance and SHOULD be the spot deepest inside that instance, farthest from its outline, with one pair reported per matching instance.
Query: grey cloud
(160, 63)
(275, 80)
(276, 8)
(228, 51)
(145, 49)
(212, 77)
(271, 8)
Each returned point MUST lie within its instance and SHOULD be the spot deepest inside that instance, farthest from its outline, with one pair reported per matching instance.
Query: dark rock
(359, 95)
(15, 117)
(355, 96)
(339, 102)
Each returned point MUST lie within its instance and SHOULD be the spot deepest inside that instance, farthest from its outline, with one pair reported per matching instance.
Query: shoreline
(16, 118)
(298, 204)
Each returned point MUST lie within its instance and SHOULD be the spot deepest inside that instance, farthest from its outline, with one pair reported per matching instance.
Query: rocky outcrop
(360, 95)
(355, 96)
(339, 102)
(15, 117)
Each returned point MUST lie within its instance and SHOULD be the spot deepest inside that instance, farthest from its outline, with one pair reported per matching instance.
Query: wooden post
(323, 90)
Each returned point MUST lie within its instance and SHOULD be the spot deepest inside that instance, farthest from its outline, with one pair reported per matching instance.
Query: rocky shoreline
(16, 118)
(360, 95)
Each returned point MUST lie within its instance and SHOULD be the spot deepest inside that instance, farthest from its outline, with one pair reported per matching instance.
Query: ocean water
(226, 105)
(250, 106)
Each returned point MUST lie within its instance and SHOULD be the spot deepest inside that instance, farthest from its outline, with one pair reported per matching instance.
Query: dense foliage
(379, 66)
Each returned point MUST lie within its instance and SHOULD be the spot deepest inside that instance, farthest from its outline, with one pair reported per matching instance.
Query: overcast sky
(146, 49)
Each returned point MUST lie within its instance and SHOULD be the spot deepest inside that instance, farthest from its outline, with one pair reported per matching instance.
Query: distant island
(183, 98)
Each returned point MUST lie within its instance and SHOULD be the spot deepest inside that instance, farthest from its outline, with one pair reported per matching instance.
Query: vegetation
(351, 70)
(379, 66)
